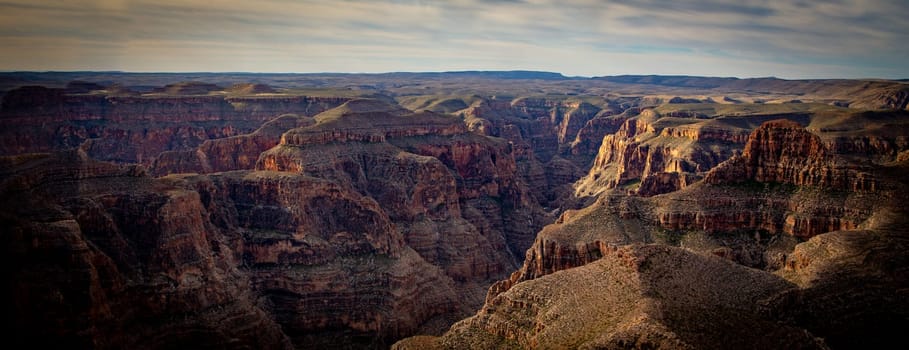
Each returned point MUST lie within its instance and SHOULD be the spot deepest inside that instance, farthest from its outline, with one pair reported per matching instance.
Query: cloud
(707, 7)
(848, 38)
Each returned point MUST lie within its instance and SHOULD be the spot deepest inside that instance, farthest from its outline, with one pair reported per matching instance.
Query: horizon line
(562, 75)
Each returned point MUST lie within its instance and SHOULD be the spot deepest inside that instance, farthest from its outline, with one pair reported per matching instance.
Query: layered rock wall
(784, 152)
(136, 129)
(109, 258)
(316, 251)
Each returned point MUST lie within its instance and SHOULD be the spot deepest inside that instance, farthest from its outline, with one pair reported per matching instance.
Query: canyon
(452, 210)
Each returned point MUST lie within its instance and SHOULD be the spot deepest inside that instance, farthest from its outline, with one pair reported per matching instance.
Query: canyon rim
(452, 210)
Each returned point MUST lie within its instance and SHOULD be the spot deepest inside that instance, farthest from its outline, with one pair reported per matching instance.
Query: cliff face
(329, 263)
(652, 154)
(659, 152)
(380, 213)
(763, 193)
(354, 223)
(429, 176)
(544, 132)
(452, 199)
(635, 296)
(111, 258)
(590, 136)
(784, 152)
(108, 258)
(136, 129)
(238, 152)
(855, 238)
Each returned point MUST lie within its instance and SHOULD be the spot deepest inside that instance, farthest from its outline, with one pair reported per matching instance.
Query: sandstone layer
(137, 128)
(667, 148)
(237, 259)
(109, 258)
(428, 173)
(827, 245)
(289, 216)
(634, 297)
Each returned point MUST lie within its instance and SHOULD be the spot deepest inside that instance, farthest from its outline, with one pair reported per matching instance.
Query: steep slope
(757, 216)
(109, 258)
(742, 216)
(634, 297)
(329, 264)
(355, 222)
(427, 172)
(364, 224)
(784, 152)
(238, 152)
(137, 128)
(669, 147)
(553, 137)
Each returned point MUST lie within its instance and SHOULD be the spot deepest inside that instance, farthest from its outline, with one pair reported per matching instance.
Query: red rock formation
(784, 152)
(553, 125)
(636, 296)
(873, 146)
(653, 144)
(590, 136)
(325, 258)
(543, 129)
(135, 129)
(385, 222)
(644, 146)
(778, 210)
(108, 258)
(848, 276)
(211, 260)
(493, 197)
(230, 153)
(576, 117)
(664, 182)
(706, 133)
(774, 159)
(378, 150)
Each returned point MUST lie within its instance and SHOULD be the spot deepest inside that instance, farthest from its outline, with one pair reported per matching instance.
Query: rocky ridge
(448, 202)
(220, 259)
(230, 153)
(310, 266)
(633, 297)
(377, 255)
(429, 174)
(136, 129)
(720, 205)
(754, 221)
(784, 152)
(109, 258)
(652, 153)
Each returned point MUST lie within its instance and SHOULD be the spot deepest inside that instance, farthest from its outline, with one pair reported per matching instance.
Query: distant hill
(512, 74)
(680, 80)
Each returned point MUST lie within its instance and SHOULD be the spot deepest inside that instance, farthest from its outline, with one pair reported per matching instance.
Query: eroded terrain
(306, 211)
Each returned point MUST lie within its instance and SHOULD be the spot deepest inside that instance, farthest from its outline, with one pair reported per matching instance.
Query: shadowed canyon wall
(249, 215)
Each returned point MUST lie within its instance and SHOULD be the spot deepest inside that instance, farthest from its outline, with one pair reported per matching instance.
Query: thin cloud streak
(799, 39)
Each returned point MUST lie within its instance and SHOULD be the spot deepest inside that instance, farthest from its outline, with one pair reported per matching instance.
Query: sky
(745, 38)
